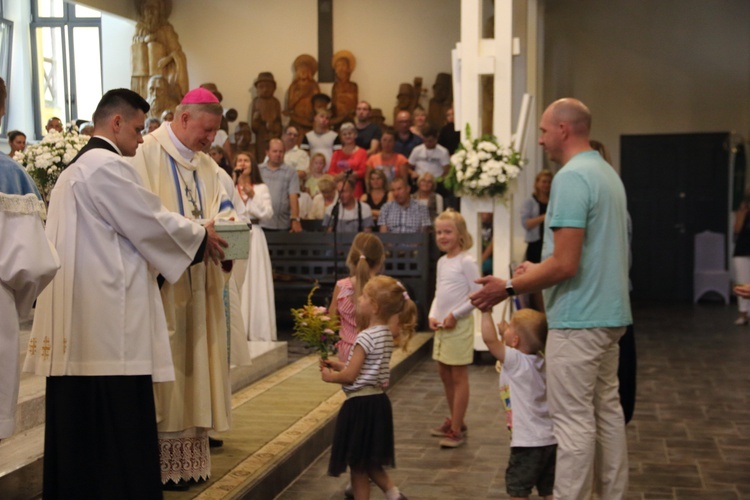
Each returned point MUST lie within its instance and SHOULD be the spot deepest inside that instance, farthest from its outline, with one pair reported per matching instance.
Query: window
(67, 67)
(6, 39)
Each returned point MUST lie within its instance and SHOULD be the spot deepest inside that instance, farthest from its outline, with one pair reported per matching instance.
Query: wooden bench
(301, 259)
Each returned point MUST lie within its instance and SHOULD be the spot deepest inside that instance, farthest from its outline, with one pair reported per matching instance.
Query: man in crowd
(429, 156)
(27, 264)
(406, 140)
(368, 133)
(403, 215)
(293, 155)
(321, 139)
(175, 168)
(283, 184)
(350, 214)
(54, 123)
(99, 332)
(584, 275)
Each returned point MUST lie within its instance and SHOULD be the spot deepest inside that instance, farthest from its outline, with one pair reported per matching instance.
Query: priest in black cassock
(99, 333)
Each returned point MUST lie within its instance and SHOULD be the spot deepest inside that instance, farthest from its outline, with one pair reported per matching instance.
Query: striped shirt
(375, 372)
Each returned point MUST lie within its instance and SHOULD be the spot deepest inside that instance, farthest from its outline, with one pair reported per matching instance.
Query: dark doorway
(677, 186)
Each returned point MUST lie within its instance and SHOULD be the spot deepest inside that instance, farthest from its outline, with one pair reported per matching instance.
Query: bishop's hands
(215, 244)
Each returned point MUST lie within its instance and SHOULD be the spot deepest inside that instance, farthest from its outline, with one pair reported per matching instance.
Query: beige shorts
(455, 347)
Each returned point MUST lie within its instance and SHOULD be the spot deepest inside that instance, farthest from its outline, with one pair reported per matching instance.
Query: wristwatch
(509, 288)
(295, 219)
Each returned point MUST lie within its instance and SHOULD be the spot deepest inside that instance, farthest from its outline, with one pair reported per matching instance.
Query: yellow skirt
(455, 347)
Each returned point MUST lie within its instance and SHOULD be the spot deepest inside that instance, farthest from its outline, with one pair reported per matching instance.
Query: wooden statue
(243, 138)
(160, 96)
(299, 96)
(156, 49)
(376, 117)
(442, 100)
(265, 113)
(408, 97)
(345, 93)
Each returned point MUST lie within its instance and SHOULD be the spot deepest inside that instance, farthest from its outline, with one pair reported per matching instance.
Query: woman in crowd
(317, 171)
(377, 192)
(533, 212)
(218, 155)
(427, 196)
(258, 302)
(327, 196)
(419, 120)
(350, 158)
(391, 163)
(16, 141)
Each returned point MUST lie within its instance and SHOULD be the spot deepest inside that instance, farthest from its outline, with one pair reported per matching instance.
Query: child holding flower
(363, 439)
(364, 261)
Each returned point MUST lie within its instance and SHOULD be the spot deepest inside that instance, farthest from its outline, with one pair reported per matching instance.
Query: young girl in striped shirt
(364, 261)
(363, 440)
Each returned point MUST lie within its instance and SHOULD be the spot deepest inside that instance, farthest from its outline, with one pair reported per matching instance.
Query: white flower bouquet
(482, 167)
(46, 160)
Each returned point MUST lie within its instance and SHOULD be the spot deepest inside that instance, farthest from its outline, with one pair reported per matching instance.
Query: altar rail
(301, 259)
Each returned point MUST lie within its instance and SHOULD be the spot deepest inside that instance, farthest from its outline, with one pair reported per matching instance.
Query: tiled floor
(689, 438)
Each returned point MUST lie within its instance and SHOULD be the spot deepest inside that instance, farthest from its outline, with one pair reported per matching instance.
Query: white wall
(393, 41)
(116, 35)
(651, 67)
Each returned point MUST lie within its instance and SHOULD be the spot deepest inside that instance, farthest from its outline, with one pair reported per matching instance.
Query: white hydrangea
(46, 160)
(487, 146)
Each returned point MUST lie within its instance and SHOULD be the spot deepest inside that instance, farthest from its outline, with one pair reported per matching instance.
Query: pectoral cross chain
(189, 195)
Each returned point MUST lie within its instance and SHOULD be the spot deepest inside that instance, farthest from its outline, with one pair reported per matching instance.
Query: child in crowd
(364, 261)
(523, 389)
(363, 439)
(451, 319)
(317, 170)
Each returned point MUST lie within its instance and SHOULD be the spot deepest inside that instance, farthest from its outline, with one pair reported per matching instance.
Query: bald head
(573, 112)
(565, 128)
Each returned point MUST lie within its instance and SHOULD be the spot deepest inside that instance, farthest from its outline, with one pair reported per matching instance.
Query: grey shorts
(529, 467)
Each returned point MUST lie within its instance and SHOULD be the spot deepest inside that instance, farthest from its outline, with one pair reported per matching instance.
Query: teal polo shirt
(588, 194)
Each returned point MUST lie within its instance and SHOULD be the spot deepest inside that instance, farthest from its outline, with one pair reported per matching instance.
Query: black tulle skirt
(364, 435)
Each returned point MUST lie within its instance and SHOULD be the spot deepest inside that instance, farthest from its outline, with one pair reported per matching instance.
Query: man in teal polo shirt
(584, 276)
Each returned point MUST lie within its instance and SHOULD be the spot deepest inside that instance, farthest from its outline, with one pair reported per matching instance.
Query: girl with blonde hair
(363, 440)
(451, 318)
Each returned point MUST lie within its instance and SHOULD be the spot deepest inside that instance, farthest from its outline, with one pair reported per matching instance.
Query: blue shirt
(588, 194)
(14, 179)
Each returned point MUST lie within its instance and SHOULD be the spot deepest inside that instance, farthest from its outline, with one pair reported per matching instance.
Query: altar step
(21, 454)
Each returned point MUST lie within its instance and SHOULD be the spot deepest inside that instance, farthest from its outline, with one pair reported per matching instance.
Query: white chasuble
(200, 396)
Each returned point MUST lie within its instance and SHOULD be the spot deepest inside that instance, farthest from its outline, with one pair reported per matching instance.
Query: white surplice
(102, 314)
(27, 264)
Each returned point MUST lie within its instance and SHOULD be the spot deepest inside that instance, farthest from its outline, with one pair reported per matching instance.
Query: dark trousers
(626, 373)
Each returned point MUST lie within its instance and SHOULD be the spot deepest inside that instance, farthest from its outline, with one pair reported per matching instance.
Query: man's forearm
(294, 205)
